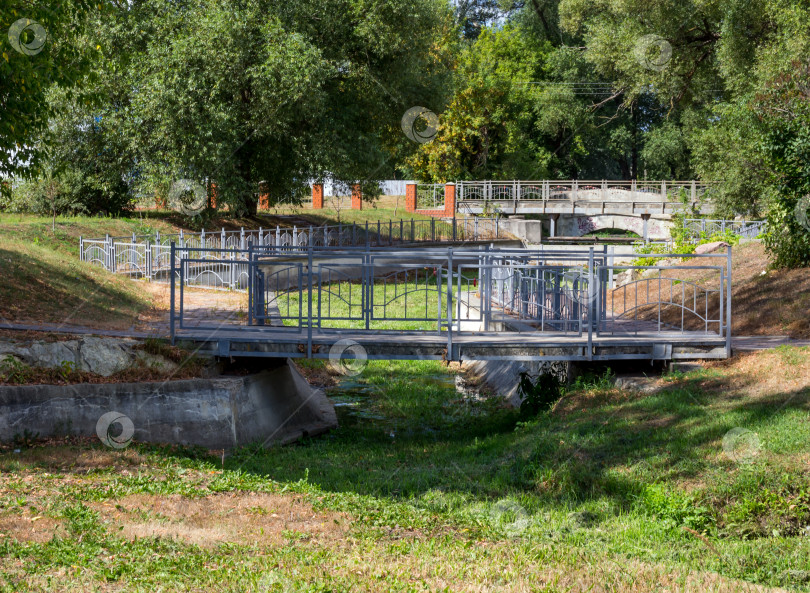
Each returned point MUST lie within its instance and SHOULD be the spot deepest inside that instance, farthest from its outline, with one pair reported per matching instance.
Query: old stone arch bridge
(567, 208)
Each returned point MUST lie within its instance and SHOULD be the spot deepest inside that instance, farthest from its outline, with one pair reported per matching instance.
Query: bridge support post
(553, 218)
(646, 232)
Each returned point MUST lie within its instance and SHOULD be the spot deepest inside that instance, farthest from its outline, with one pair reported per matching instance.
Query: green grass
(437, 491)
(407, 301)
(44, 281)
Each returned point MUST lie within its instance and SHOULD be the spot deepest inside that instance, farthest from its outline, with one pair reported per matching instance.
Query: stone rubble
(103, 356)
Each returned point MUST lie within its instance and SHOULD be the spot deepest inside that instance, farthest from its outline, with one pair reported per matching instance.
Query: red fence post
(212, 197)
(410, 197)
(450, 199)
(264, 198)
(317, 196)
(357, 197)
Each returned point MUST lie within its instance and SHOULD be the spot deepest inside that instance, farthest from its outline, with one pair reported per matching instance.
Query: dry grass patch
(28, 526)
(769, 373)
(242, 518)
(70, 455)
(580, 401)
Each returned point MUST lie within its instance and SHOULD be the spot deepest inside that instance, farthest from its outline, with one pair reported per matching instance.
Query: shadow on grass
(35, 289)
(416, 443)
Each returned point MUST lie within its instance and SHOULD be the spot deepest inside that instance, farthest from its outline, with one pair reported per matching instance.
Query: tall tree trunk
(246, 154)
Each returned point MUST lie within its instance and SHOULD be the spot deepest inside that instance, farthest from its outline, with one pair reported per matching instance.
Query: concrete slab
(274, 406)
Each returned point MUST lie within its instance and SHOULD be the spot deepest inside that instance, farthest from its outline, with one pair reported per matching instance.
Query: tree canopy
(41, 48)
(125, 98)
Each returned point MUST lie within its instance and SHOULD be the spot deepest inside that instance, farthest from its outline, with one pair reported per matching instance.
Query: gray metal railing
(580, 196)
(430, 196)
(457, 291)
(699, 228)
(601, 190)
(149, 257)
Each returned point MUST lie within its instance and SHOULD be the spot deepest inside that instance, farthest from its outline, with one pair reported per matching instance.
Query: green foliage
(675, 508)
(736, 96)
(26, 439)
(255, 92)
(785, 110)
(538, 394)
(521, 107)
(684, 240)
(591, 380)
(485, 131)
(66, 369)
(61, 61)
(83, 521)
(70, 192)
(13, 370)
(767, 512)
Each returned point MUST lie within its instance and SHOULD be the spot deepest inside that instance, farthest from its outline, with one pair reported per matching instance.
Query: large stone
(51, 354)
(155, 361)
(710, 247)
(105, 356)
(626, 277)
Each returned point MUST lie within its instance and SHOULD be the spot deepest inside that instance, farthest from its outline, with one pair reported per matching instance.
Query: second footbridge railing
(148, 256)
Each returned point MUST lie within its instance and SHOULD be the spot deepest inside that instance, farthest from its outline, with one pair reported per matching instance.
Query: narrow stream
(354, 400)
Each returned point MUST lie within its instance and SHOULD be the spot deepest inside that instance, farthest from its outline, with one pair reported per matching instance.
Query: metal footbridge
(464, 303)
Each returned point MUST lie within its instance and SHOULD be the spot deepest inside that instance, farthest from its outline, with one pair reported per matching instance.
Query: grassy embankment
(417, 490)
(764, 301)
(44, 281)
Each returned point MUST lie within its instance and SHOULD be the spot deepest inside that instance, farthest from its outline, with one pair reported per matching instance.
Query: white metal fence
(576, 189)
(216, 263)
(699, 228)
(388, 187)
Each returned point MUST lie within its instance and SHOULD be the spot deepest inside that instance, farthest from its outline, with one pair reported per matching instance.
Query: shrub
(538, 394)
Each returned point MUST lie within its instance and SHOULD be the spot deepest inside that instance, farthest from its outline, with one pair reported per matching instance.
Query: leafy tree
(710, 64)
(525, 105)
(90, 156)
(474, 15)
(258, 91)
(785, 112)
(483, 131)
(39, 50)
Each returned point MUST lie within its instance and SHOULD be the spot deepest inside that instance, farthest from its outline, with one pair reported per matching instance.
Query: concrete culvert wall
(503, 377)
(273, 406)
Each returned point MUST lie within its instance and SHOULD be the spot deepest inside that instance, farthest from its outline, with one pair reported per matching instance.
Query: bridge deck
(582, 208)
(239, 341)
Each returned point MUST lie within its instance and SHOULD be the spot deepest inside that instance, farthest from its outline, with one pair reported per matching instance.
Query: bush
(786, 238)
(68, 193)
(538, 394)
